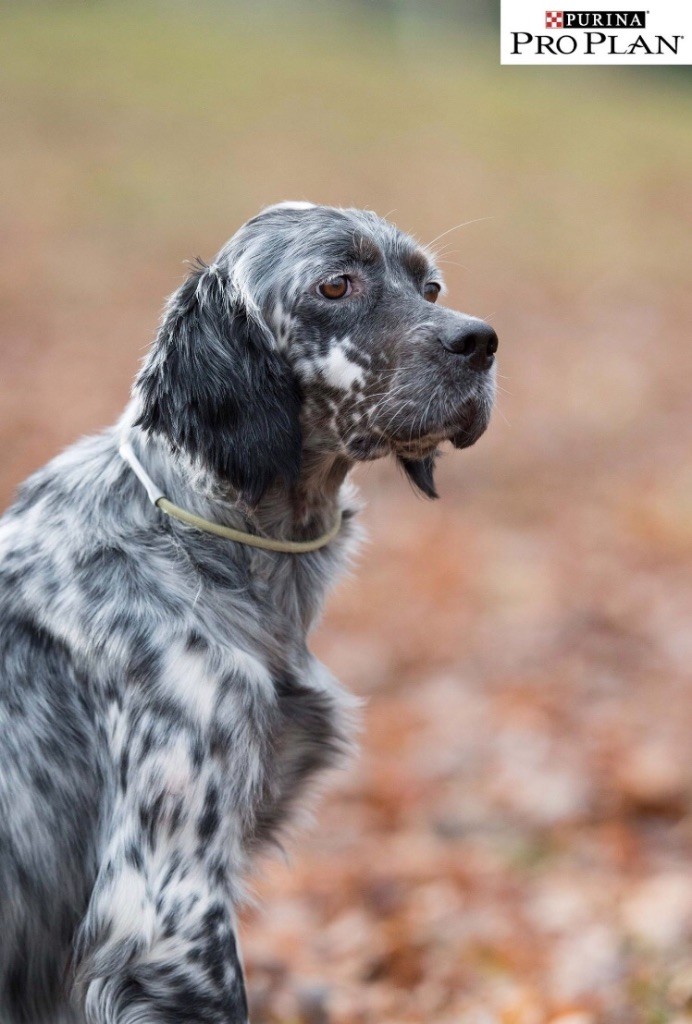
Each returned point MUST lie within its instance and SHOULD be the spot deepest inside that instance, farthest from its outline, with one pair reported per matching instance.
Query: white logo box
(596, 33)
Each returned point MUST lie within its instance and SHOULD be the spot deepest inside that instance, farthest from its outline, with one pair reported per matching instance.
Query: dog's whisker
(453, 263)
(457, 227)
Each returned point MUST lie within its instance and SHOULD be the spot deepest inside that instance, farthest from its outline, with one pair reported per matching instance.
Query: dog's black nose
(476, 341)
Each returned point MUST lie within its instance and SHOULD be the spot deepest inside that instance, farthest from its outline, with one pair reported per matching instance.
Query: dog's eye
(335, 287)
(431, 291)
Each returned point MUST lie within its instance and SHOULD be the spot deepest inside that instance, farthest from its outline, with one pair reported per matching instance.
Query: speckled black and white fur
(160, 709)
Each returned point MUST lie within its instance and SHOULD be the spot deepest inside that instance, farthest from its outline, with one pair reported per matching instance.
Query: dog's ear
(421, 473)
(216, 388)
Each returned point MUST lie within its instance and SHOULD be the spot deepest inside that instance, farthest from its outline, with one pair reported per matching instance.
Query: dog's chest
(280, 728)
(265, 712)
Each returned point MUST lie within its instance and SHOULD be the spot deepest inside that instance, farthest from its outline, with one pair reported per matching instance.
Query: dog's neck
(308, 508)
(301, 511)
(305, 511)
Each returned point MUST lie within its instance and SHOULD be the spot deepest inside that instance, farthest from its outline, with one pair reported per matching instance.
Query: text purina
(603, 19)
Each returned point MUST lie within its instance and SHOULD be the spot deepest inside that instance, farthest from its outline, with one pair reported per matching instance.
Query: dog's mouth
(419, 435)
(472, 424)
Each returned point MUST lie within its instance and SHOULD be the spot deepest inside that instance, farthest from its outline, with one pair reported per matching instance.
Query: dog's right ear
(216, 388)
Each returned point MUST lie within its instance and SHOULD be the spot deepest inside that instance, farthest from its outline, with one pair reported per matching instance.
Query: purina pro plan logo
(661, 34)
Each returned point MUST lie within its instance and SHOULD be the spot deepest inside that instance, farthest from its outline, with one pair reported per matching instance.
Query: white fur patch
(252, 669)
(130, 908)
(281, 322)
(339, 371)
(291, 204)
(187, 678)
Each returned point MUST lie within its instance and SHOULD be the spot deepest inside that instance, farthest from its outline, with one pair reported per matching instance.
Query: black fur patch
(421, 473)
(217, 390)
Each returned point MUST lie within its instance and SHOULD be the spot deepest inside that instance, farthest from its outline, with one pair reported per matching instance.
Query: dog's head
(315, 329)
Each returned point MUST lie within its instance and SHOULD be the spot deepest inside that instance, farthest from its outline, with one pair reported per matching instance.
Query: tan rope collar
(157, 498)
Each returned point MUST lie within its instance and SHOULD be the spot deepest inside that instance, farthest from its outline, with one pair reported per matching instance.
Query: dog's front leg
(158, 942)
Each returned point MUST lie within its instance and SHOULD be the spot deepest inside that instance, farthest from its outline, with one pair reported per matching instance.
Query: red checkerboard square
(553, 19)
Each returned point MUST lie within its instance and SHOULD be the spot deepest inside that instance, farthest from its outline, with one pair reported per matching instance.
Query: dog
(161, 711)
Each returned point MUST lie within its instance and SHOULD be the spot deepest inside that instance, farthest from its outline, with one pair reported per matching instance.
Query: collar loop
(160, 501)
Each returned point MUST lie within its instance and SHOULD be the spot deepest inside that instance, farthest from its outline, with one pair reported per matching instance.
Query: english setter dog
(161, 711)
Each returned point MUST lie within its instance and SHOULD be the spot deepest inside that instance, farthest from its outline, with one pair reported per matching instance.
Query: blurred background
(514, 843)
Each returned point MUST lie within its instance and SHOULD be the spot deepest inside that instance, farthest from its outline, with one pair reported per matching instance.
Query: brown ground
(513, 844)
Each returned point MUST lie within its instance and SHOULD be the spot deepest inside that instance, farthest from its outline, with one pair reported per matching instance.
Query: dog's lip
(471, 428)
(465, 438)
(463, 427)
(463, 430)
